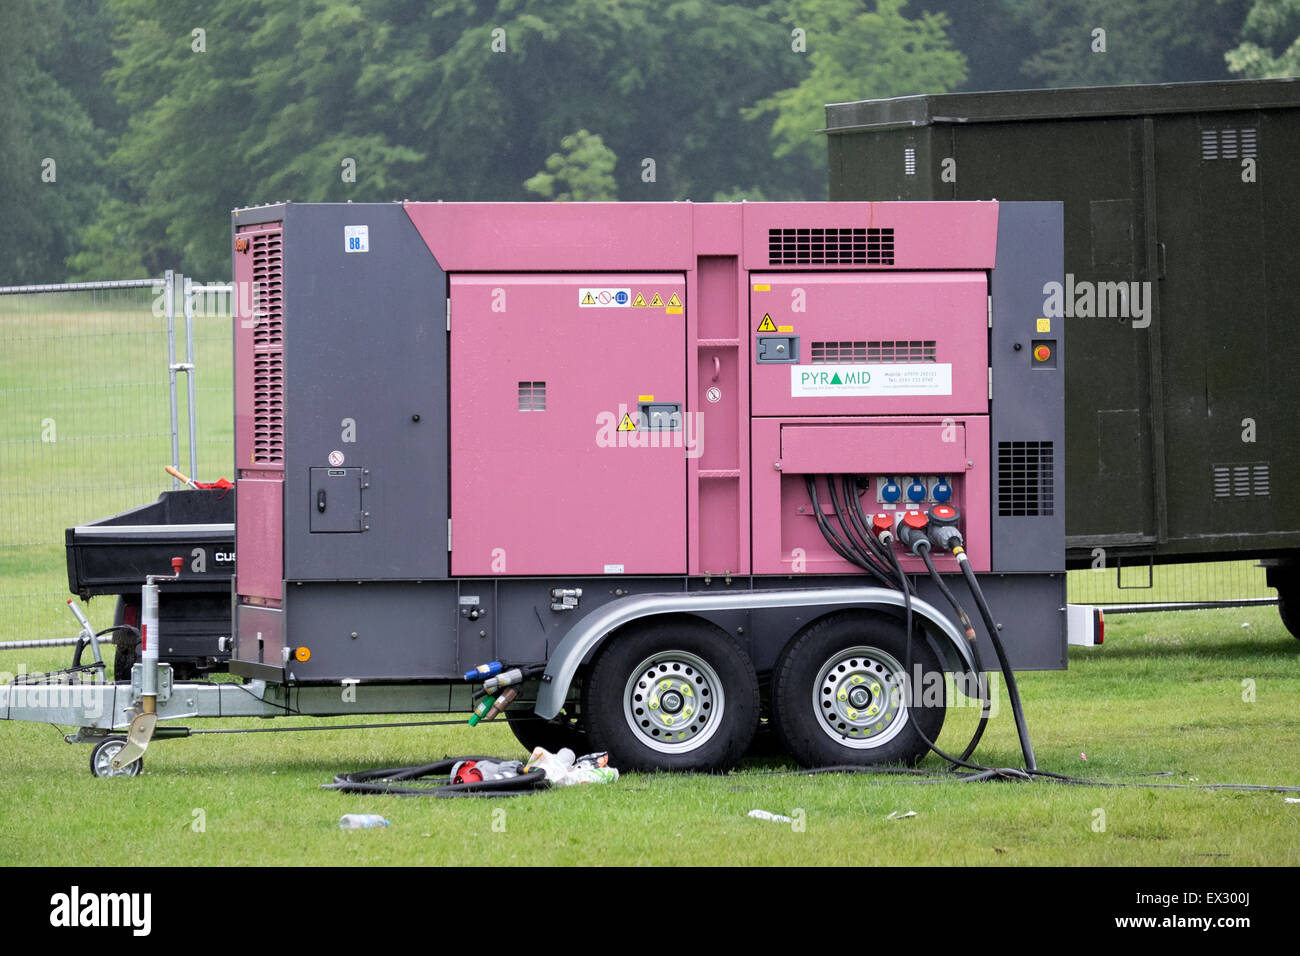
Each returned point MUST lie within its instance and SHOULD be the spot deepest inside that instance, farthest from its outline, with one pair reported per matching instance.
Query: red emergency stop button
(1042, 353)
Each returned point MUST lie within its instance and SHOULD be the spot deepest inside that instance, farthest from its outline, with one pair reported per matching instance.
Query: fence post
(169, 287)
(188, 369)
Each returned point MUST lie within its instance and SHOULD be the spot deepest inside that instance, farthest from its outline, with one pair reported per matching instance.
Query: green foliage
(583, 170)
(51, 154)
(857, 53)
(1271, 25)
(1143, 41)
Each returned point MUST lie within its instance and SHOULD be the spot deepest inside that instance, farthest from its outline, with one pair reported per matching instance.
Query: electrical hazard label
(627, 425)
(604, 298)
(767, 325)
(833, 381)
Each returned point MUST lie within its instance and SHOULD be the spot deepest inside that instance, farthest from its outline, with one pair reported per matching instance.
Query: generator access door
(568, 424)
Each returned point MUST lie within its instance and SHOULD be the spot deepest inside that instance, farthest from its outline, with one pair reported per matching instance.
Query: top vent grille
(830, 247)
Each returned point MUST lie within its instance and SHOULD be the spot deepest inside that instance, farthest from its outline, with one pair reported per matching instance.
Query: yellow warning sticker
(763, 288)
(672, 311)
(627, 425)
(1044, 325)
(588, 299)
(639, 301)
(657, 302)
(767, 325)
(785, 328)
(645, 398)
(675, 302)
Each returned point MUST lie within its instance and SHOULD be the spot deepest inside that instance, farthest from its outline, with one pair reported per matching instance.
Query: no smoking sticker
(336, 458)
(714, 394)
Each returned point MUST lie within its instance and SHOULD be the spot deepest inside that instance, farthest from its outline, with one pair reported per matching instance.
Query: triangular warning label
(675, 302)
(588, 299)
(627, 425)
(639, 301)
(835, 379)
(657, 301)
(767, 325)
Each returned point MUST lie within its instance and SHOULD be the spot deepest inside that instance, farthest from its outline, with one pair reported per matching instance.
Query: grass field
(1165, 693)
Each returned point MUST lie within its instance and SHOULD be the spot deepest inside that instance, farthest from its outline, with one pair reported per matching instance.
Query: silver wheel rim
(104, 761)
(673, 702)
(859, 697)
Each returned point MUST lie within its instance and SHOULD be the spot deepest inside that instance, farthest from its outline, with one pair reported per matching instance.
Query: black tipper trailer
(1182, 432)
(112, 556)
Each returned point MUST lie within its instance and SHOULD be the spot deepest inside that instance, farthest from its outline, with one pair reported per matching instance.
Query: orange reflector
(1042, 353)
(241, 245)
(302, 654)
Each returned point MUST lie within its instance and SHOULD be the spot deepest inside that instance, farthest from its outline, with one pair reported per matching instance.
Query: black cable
(980, 679)
(1013, 692)
(857, 524)
(832, 538)
(403, 781)
(907, 672)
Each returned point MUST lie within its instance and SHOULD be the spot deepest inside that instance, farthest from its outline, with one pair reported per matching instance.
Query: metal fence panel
(87, 424)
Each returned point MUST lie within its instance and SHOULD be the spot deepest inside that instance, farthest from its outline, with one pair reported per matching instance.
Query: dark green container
(1192, 189)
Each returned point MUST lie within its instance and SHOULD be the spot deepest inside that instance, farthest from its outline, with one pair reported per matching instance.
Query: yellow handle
(177, 475)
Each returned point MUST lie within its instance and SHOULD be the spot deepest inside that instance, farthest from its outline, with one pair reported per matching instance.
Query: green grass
(1163, 694)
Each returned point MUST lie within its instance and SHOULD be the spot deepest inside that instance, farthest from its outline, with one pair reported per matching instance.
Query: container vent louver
(1248, 480)
(830, 247)
(1026, 472)
(873, 351)
(1228, 143)
(268, 349)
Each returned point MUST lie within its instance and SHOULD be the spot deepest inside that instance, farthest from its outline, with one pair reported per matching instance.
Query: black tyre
(101, 759)
(126, 645)
(553, 735)
(674, 694)
(839, 698)
(1288, 601)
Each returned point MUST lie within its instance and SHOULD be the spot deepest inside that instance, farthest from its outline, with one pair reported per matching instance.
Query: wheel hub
(858, 697)
(673, 701)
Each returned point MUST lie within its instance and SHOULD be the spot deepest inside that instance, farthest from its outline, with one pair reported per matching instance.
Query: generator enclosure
(1179, 295)
(459, 427)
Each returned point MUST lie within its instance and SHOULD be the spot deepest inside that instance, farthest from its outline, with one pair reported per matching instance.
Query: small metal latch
(777, 349)
(565, 599)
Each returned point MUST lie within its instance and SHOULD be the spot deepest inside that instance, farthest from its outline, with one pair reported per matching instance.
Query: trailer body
(113, 555)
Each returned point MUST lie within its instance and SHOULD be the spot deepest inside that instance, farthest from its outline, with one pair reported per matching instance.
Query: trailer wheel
(554, 735)
(101, 758)
(675, 694)
(839, 695)
(1288, 601)
(126, 646)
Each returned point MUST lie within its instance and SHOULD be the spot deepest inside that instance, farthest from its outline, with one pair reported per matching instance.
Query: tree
(51, 154)
(1270, 25)
(428, 99)
(1115, 42)
(584, 168)
(857, 53)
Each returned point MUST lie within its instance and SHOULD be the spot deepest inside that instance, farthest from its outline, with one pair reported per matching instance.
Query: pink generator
(671, 472)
